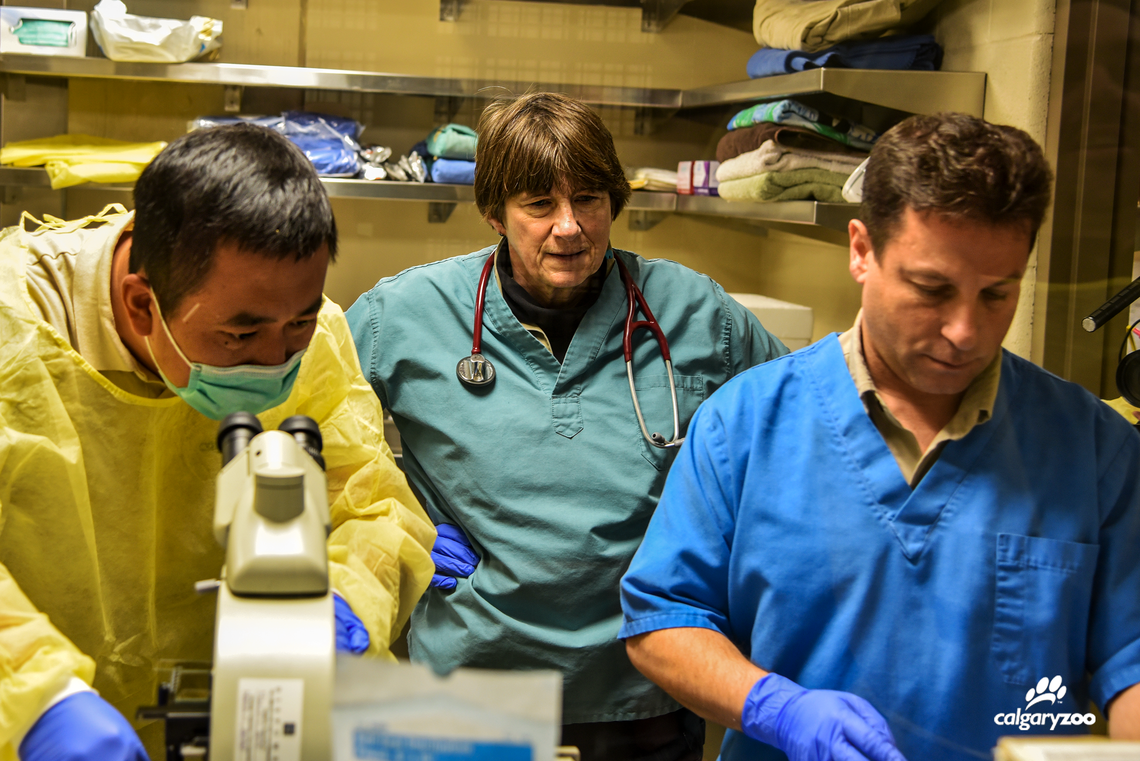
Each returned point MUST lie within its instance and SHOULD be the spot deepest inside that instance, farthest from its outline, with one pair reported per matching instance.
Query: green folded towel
(794, 185)
(452, 141)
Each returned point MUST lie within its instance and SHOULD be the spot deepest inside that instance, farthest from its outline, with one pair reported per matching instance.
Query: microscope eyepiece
(235, 433)
(307, 433)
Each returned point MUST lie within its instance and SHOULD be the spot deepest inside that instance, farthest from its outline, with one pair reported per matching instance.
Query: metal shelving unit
(906, 91)
(650, 207)
(918, 92)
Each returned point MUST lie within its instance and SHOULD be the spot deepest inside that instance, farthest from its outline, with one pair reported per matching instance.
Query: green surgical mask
(219, 391)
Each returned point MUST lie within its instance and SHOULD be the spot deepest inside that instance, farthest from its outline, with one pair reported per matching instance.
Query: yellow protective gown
(106, 503)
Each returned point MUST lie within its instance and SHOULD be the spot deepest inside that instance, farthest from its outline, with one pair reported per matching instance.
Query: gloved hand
(816, 725)
(453, 555)
(82, 727)
(351, 636)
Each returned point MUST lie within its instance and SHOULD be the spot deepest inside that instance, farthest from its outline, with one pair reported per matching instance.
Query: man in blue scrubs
(903, 542)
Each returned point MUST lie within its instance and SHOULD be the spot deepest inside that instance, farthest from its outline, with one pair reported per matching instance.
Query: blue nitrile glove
(351, 636)
(82, 727)
(454, 558)
(816, 725)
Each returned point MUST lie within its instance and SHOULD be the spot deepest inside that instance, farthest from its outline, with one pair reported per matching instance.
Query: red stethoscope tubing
(480, 298)
(636, 300)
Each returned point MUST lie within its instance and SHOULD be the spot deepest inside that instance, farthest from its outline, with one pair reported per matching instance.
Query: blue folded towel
(455, 171)
(914, 52)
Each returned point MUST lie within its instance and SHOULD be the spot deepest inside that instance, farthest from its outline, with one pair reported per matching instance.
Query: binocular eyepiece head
(239, 428)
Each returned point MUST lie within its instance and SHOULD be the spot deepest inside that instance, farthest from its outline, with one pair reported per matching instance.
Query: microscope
(275, 641)
(269, 693)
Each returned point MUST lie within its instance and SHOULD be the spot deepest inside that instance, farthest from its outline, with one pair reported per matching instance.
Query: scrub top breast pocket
(657, 409)
(1042, 586)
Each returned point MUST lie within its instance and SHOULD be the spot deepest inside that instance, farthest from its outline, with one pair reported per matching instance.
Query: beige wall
(572, 44)
(1012, 41)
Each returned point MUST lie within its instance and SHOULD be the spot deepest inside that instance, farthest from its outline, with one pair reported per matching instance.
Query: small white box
(43, 31)
(685, 178)
(704, 174)
(791, 323)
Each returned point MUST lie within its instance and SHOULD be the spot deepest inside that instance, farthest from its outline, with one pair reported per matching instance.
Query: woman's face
(556, 241)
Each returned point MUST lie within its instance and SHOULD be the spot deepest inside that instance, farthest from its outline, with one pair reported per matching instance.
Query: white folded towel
(773, 157)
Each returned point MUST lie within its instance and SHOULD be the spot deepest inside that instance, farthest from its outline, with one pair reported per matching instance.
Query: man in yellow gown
(124, 338)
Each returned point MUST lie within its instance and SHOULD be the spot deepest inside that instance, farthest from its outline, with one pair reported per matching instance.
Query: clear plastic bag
(125, 37)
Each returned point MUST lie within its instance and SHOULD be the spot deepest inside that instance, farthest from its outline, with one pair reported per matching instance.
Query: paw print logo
(1046, 690)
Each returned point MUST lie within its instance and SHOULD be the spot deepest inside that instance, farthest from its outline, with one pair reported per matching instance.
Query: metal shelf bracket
(656, 14)
(14, 87)
(640, 220)
(449, 10)
(231, 99)
(647, 120)
(439, 212)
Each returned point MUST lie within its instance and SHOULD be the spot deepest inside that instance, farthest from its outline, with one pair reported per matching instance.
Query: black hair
(240, 184)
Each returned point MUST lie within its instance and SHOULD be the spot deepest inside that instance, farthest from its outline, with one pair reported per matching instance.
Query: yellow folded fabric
(75, 159)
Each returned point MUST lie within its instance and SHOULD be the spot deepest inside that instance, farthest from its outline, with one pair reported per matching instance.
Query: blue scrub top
(546, 470)
(787, 526)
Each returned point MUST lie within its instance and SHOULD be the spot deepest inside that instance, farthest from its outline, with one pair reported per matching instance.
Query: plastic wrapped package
(126, 37)
(330, 142)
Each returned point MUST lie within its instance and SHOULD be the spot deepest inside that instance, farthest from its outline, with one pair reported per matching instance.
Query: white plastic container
(791, 323)
(43, 31)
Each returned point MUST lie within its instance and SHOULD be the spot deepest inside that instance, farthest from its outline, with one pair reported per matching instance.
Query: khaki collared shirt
(976, 408)
(71, 288)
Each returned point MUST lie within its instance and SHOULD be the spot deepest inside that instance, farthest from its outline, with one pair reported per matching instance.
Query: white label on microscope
(269, 720)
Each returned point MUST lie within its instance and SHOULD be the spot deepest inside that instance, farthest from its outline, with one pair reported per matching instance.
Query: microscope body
(275, 643)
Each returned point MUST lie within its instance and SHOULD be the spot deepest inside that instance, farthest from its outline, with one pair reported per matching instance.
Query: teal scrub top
(545, 470)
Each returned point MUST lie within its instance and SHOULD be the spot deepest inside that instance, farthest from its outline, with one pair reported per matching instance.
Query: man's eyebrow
(928, 274)
(248, 319)
(938, 277)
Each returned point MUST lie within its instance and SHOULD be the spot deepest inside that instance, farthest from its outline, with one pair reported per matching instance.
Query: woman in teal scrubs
(541, 481)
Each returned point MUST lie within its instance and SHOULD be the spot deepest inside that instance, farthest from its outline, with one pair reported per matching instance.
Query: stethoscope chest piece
(475, 370)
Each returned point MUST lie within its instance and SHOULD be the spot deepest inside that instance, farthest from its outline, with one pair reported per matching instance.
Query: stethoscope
(477, 370)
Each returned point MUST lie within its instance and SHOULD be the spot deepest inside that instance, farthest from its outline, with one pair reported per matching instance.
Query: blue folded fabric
(914, 52)
(455, 171)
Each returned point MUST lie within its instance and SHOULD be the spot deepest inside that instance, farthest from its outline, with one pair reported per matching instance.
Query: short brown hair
(957, 166)
(539, 142)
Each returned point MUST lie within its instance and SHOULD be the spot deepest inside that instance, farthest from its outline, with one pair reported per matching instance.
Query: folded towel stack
(451, 153)
(917, 52)
(820, 24)
(773, 161)
(773, 157)
(792, 112)
(793, 185)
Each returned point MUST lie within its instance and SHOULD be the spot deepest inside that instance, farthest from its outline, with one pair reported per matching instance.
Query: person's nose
(963, 325)
(566, 220)
(276, 350)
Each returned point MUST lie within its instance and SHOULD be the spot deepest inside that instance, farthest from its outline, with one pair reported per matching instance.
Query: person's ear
(860, 250)
(497, 226)
(137, 298)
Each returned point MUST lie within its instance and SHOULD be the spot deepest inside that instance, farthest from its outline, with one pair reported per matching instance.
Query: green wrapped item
(452, 141)
(44, 32)
(795, 185)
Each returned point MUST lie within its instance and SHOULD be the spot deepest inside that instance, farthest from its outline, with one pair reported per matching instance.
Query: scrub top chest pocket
(1041, 586)
(657, 407)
